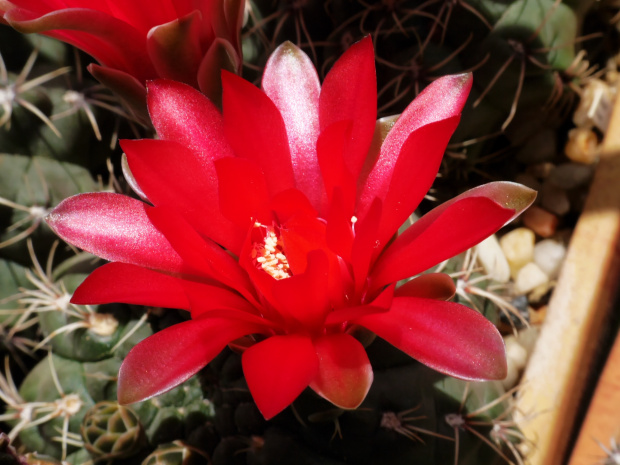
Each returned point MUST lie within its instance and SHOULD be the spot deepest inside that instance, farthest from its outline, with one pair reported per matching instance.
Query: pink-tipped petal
(414, 173)
(114, 227)
(278, 369)
(256, 131)
(446, 336)
(345, 374)
(349, 92)
(443, 99)
(450, 229)
(181, 113)
(170, 357)
(292, 83)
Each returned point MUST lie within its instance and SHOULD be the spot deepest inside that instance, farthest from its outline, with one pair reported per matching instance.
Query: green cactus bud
(176, 453)
(111, 431)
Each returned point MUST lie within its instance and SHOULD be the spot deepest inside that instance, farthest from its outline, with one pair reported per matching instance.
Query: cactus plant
(59, 127)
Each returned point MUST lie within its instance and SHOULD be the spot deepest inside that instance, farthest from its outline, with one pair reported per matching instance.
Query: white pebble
(518, 248)
(493, 260)
(529, 278)
(512, 375)
(515, 351)
(549, 256)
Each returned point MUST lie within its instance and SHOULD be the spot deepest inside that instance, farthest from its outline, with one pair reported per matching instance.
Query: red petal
(256, 131)
(181, 113)
(449, 229)
(170, 357)
(201, 256)
(278, 369)
(339, 231)
(292, 83)
(381, 304)
(446, 336)
(289, 203)
(220, 56)
(345, 374)
(442, 99)
(331, 149)
(349, 92)
(171, 175)
(119, 282)
(113, 42)
(365, 244)
(243, 193)
(420, 158)
(300, 236)
(114, 227)
(438, 286)
(174, 48)
(131, 284)
(304, 296)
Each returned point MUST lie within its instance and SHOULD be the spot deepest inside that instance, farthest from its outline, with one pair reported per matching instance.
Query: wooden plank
(602, 423)
(554, 380)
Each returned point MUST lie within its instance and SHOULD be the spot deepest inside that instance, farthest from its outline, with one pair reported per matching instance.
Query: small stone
(554, 199)
(595, 105)
(512, 375)
(582, 146)
(539, 293)
(527, 339)
(529, 278)
(515, 351)
(516, 359)
(518, 248)
(571, 175)
(540, 221)
(541, 170)
(537, 316)
(549, 256)
(493, 260)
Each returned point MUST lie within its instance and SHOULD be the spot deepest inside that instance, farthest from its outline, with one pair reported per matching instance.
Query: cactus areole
(271, 223)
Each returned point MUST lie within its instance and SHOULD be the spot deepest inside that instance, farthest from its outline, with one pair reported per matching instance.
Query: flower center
(268, 255)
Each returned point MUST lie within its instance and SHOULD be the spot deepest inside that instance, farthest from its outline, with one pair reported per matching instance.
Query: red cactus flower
(271, 224)
(137, 40)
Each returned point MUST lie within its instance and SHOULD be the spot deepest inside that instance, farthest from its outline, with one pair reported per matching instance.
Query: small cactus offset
(245, 232)
(111, 431)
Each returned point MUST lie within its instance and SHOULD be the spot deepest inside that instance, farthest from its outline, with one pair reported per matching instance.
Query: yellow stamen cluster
(269, 255)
